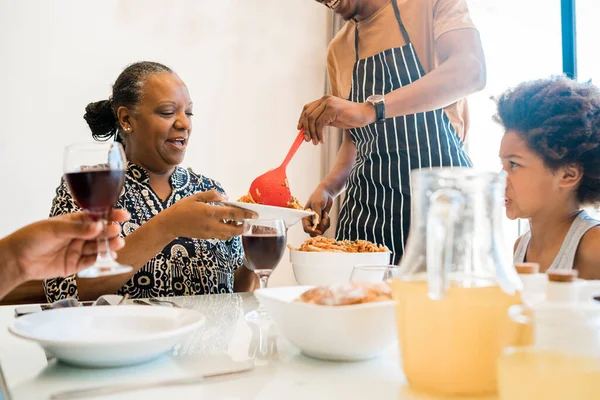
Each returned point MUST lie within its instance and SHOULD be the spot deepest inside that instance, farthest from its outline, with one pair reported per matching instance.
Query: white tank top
(566, 256)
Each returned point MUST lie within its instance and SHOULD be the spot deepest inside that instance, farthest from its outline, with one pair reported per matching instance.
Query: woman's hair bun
(101, 119)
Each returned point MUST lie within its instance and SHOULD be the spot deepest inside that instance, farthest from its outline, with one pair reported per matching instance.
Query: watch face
(376, 98)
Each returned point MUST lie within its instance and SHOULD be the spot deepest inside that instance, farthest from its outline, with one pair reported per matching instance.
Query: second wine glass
(264, 244)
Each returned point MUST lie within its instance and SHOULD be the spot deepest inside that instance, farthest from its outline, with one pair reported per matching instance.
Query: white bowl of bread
(322, 261)
(341, 322)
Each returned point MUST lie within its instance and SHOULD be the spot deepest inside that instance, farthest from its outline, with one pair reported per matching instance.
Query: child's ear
(570, 175)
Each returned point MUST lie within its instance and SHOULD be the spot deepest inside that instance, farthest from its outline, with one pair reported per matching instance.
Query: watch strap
(379, 111)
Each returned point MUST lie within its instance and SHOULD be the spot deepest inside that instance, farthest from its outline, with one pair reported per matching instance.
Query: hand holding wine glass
(95, 175)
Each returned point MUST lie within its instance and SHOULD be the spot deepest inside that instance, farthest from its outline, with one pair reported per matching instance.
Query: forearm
(453, 80)
(140, 246)
(336, 179)
(244, 280)
(10, 274)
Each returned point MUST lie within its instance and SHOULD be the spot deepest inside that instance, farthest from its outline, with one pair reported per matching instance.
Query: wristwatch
(378, 101)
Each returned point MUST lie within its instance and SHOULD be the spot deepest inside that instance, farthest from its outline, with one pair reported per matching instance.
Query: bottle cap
(527, 268)
(562, 276)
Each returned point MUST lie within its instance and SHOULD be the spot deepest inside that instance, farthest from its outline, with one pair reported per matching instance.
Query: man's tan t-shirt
(425, 22)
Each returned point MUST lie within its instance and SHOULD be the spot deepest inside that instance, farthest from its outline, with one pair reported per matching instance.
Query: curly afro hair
(559, 119)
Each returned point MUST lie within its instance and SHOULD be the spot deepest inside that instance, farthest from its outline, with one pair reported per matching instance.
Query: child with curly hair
(551, 152)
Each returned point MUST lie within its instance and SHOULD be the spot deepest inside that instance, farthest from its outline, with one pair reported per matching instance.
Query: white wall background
(250, 66)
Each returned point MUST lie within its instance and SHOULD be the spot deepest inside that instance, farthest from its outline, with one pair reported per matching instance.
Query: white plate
(108, 336)
(289, 215)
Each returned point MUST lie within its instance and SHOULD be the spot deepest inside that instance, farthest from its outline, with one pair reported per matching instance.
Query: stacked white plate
(107, 336)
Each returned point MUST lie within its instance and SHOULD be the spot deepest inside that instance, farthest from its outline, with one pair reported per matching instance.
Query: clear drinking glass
(95, 174)
(552, 352)
(373, 273)
(264, 244)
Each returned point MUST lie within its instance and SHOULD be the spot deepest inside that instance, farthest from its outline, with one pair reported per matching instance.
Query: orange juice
(529, 374)
(451, 346)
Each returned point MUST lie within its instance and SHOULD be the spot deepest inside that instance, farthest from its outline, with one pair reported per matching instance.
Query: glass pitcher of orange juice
(555, 355)
(455, 282)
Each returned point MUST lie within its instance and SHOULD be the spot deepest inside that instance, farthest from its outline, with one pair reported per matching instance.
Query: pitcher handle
(519, 327)
(443, 213)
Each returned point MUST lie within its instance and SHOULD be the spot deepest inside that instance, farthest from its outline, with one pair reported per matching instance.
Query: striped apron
(378, 192)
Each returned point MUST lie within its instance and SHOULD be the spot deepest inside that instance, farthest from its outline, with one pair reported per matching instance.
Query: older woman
(177, 240)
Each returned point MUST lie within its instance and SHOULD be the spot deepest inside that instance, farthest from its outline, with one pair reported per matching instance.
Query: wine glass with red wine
(95, 174)
(264, 244)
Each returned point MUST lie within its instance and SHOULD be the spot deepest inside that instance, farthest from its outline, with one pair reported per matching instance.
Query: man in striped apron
(398, 116)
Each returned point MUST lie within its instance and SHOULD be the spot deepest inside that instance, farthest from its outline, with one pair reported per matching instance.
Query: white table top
(225, 341)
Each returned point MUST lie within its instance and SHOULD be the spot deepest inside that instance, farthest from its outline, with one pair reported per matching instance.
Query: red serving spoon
(272, 188)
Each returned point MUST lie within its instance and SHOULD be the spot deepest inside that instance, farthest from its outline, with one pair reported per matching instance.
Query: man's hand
(320, 202)
(333, 111)
(59, 246)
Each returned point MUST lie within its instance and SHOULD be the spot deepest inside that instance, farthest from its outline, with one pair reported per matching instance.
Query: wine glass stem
(263, 343)
(104, 257)
(264, 279)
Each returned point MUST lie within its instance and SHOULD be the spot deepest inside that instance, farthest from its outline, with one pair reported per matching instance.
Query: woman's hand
(320, 202)
(194, 217)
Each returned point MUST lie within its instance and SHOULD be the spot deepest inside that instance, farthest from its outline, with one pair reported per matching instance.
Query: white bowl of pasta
(322, 261)
(339, 331)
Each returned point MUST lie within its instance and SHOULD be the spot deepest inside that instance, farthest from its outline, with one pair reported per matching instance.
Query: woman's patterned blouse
(185, 266)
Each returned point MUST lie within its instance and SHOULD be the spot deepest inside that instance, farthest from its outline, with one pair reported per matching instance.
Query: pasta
(345, 294)
(294, 203)
(321, 244)
(246, 199)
